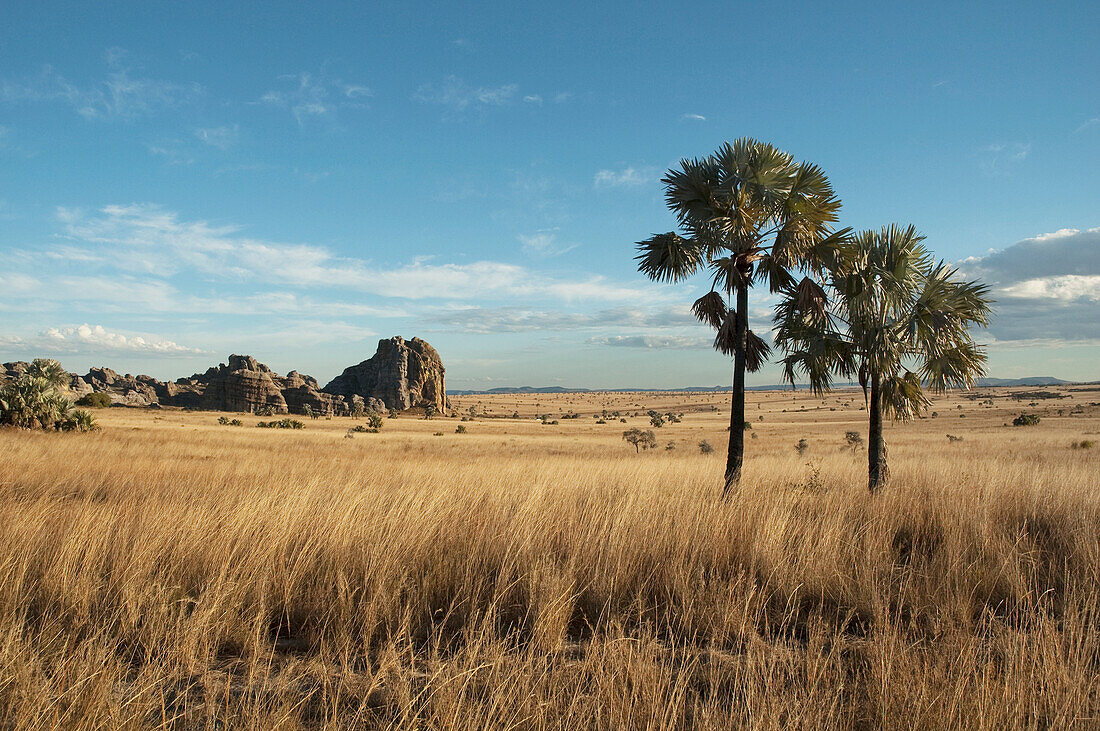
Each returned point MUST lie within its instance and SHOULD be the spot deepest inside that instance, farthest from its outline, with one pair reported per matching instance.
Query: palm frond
(710, 309)
(668, 257)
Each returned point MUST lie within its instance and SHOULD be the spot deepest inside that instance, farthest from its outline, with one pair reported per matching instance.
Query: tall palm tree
(746, 213)
(896, 318)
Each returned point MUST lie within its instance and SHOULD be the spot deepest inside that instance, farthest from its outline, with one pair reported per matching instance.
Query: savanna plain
(168, 571)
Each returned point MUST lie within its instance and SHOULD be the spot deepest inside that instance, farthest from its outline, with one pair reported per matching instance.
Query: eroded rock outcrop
(401, 374)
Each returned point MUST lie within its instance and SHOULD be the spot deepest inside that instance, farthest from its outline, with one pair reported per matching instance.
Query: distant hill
(1028, 381)
(982, 382)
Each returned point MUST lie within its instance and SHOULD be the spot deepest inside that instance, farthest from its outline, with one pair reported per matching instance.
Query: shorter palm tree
(894, 317)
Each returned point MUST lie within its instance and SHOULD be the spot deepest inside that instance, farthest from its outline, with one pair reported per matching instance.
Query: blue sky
(182, 181)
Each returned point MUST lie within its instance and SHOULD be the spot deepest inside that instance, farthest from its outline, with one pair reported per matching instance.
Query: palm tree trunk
(877, 471)
(735, 455)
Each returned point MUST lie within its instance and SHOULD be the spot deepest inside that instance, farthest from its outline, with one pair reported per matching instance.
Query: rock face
(242, 385)
(400, 374)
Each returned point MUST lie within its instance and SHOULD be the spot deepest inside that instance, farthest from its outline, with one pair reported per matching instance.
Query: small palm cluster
(35, 400)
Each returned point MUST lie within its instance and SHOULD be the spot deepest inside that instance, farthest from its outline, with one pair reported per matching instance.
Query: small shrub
(670, 446)
(1026, 420)
(952, 438)
(935, 414)
(1084, 444)
(437, 434)
(801, 447)
(461, 429)
(853, 439)
(281, 424)
(265, 411)
(94, 400)
(600, 421)
(705, 447)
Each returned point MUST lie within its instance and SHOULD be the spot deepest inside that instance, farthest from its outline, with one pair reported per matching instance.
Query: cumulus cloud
(1047, 287)
(96, 339)
(121, 94)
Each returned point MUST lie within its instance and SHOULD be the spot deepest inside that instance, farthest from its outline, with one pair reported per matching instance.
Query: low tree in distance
(640, 438)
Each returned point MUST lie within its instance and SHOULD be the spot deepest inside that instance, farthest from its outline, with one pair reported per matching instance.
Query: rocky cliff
(402, 374)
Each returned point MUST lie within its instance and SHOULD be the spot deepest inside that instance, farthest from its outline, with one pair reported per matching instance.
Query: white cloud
(221, 137)
(629, 176)
(1088, 123)
(96, 339)
(544, 243)
(459, 96)
(119, 95)
(308, 96)
(1045, 287)
(1067, 287)
(132, 241)
(692, 117)
(655, 342)
(533, 99)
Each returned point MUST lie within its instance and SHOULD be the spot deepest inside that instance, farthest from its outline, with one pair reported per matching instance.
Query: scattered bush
(1026, 420)
(670, 446)
(265, 411)
(1084, 444)
(801, 447)
(281, 424)
(853, 440)
(656, 420)
(641, 439)
(94, 400)
(461, 429)
(226, 421)
(705, 447)
(747, 427)
(952, 438)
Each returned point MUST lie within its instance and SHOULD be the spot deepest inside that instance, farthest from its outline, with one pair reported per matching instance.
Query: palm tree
(896, 318)
(746, 213)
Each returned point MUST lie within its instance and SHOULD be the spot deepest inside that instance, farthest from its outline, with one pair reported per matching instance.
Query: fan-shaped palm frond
(710, 309)
(668, 257)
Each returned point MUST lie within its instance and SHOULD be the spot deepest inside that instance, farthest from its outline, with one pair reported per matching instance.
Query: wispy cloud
(533, 99)
(121, 94)
(308, 96)
(629, 176)
(1088, 123)
(525, 319)
(150, 241)
(458, 96)
(654, 342)
(221, 137)
(545, 243)
(998, 156)
(689, 117)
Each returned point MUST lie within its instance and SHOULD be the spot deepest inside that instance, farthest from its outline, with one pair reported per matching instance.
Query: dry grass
(170, 572)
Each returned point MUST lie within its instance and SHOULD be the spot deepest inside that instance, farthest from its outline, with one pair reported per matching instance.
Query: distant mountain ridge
(518, 390)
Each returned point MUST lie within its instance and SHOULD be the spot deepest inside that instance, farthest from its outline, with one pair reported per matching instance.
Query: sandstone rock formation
(401, 374)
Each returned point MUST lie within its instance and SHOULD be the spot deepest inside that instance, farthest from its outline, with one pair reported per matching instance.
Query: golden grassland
(170, 572)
